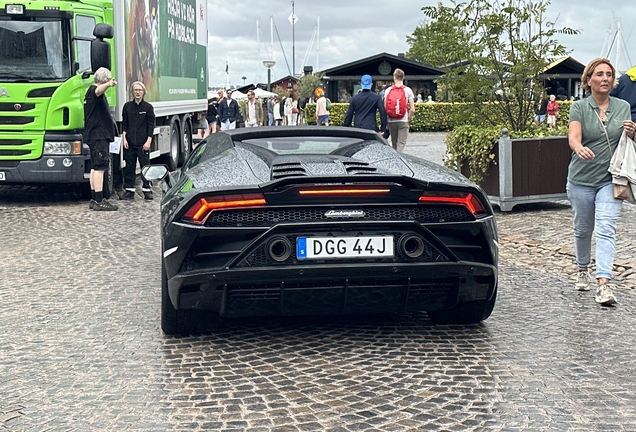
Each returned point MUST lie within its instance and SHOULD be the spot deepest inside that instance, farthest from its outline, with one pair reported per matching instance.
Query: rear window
(303, 145)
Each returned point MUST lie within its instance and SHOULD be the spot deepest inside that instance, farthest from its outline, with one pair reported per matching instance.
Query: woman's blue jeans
(595, 210)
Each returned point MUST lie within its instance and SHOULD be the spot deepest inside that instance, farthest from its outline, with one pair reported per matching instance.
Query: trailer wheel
(172, 158)
(187, 141)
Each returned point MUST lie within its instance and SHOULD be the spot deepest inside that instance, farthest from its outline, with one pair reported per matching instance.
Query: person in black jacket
(138, 124)
(364, 106)
(540, 109)
(212, 116)
(228, 112)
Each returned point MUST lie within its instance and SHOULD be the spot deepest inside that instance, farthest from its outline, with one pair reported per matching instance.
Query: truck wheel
(187, 141)
(465, 312)
(172, 158)
(178, 322)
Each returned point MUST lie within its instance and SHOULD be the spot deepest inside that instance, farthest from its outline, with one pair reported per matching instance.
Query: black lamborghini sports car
(320, 220)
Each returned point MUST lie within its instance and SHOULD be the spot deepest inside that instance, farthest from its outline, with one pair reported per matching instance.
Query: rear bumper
(341, 289)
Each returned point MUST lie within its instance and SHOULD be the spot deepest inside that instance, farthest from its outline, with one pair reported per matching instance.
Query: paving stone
(82, 349)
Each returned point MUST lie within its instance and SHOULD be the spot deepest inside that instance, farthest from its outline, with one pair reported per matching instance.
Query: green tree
(491, 52)
(307, 85)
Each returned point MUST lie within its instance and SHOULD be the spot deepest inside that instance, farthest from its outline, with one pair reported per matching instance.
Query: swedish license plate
(344, 247)
(3, 177)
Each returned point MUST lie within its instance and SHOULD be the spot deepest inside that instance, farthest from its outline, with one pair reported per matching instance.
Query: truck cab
(47, 59)
(45, 65)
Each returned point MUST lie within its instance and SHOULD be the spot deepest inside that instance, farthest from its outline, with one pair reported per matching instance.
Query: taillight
(468, 200)
(204, 206)
(344, 190)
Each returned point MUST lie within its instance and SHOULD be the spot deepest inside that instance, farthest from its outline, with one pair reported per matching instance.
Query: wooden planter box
(528, 170)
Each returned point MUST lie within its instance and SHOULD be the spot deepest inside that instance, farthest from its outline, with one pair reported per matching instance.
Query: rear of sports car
(307, 245)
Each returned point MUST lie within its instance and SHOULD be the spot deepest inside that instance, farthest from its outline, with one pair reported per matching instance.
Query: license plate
(344, 247)
(2, 176)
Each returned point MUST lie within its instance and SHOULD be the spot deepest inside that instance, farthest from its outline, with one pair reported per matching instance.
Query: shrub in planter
(473, 146)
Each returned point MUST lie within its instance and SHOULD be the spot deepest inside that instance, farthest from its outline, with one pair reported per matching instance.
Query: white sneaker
(583, 280)
(604, 295)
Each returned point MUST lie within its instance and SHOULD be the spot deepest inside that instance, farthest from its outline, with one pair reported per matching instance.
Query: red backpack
(396, 103)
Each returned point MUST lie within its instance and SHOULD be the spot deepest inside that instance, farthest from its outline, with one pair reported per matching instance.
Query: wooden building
(562, 78)
(342, 82)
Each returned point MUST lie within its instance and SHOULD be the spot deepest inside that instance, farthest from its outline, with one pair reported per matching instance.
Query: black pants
(131, 155)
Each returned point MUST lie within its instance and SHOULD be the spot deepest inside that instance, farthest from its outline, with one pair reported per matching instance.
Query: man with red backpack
(399, 103)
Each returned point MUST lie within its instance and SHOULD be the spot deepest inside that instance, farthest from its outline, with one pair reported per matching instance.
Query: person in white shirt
(278, 117)
(322, 114)
(291, 108)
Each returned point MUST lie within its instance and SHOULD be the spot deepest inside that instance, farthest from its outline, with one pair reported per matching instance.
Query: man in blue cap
(364, 106)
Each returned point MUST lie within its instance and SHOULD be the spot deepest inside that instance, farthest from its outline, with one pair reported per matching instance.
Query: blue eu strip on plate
(301, 247)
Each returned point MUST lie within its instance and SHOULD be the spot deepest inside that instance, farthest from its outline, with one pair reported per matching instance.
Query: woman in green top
(596, 125)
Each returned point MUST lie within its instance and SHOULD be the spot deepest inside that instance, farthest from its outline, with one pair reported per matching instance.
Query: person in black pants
(138, 124)
(99, 132)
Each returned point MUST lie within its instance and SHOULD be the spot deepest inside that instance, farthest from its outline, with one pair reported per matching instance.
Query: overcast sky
(330, 33)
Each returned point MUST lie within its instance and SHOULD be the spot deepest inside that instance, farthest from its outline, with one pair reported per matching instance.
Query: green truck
(48, 53)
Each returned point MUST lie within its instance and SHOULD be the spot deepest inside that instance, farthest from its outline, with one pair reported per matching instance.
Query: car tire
(465, 312)
(181, 322)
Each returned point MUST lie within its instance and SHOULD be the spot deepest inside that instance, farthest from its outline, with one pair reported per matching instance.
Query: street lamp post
(269, 64)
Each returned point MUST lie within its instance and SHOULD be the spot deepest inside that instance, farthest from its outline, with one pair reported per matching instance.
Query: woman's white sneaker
(604, 295)
(583, 280)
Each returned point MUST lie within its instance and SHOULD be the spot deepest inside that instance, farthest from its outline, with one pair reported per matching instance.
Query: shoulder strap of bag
(604, 130)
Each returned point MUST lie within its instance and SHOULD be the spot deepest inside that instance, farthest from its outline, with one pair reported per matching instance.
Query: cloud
(353, 29)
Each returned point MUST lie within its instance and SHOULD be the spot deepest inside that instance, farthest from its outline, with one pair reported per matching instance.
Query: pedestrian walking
(322, 108)
(281, 110)
(212, 116)
(291, 108)
(540, 109)
(220, 98)
(228, 111)
(553, 111)
(252, 111)
(364, 106)
(399, 103)
(595, 127)
(278, 115)
(138, 125)
(271, 101)
(99, 132)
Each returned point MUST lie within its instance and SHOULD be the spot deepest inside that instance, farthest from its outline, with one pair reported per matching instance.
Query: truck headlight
(62, 147)
(14, 9)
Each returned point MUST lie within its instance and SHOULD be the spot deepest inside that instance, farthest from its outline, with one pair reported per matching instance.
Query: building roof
(381, 67)
(284, 80)
(564, 67)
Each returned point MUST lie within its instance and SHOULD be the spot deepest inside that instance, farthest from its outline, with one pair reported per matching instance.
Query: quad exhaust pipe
(411, 246)
(279, 249)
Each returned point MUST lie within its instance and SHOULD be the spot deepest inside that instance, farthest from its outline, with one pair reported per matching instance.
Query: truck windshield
(36, 50)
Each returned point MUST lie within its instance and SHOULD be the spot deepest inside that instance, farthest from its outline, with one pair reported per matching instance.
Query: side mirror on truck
(100, 49)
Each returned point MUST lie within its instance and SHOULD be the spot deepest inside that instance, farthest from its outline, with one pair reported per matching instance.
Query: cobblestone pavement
(81, 348)
(539, 236)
